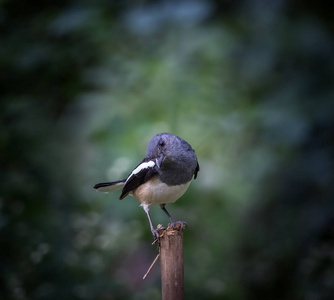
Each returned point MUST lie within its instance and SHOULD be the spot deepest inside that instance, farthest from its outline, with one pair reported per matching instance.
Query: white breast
(154, 192)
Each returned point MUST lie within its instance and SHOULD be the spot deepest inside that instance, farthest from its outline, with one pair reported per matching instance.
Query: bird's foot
(156, 235)
(182, 224)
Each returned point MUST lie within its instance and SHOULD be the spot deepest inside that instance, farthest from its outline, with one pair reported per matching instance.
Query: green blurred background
(86, 84)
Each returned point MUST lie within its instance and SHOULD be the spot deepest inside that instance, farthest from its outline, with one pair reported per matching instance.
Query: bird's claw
(156, 235)
(183, 224)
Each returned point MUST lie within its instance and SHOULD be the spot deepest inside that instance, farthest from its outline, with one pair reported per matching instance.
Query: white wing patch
(145, 165)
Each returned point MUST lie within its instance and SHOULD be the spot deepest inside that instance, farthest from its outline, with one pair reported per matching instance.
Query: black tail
(109, 186)
(104, 184)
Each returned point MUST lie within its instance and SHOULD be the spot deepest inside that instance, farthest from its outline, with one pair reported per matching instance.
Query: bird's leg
(154, 231)
(167, 213)
(173, 222)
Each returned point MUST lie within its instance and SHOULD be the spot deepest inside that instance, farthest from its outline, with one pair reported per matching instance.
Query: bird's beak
(159, 160)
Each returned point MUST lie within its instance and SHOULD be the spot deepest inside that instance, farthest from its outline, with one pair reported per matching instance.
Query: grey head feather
(179, 162)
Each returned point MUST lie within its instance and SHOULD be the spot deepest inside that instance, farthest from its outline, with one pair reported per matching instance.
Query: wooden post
(171, 260)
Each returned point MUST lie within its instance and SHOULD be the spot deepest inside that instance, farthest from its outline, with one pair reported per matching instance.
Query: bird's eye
(161, 143)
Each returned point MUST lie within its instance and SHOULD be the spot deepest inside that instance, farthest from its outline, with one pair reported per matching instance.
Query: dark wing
(196, 171)
(142, 173)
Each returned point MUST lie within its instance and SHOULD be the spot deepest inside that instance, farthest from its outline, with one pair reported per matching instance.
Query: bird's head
(168, 148)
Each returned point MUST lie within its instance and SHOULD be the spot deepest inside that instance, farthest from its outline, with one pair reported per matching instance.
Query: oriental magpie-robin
(161, 177)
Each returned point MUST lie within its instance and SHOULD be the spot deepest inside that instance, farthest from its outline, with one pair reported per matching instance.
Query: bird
(162, 177)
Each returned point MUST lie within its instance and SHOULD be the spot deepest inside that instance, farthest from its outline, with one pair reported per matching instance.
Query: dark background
(86, 84)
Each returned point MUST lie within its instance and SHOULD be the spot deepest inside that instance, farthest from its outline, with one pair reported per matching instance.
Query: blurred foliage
(86, 84)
